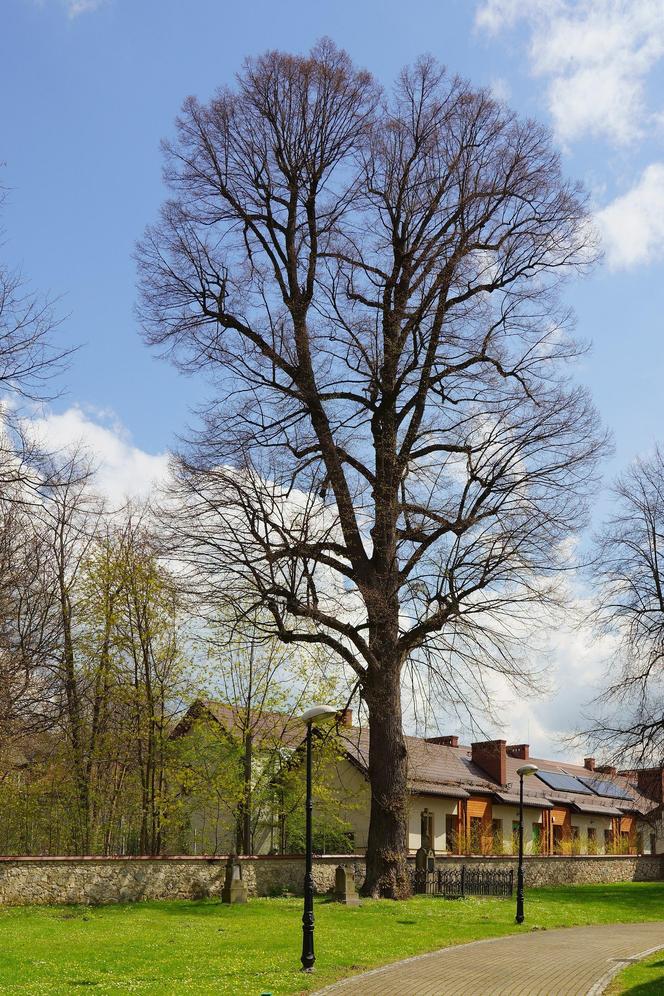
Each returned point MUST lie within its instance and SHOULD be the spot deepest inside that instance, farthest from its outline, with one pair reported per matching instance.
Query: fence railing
(455, 883)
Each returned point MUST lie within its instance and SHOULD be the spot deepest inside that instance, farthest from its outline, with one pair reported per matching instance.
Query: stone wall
(578, 870)
(93, 880)
(117, 880)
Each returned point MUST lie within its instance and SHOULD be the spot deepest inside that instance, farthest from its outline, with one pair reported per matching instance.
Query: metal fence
(455, 883)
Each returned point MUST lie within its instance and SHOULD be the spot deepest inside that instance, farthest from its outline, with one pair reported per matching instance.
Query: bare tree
(69, 523)
(628, 571)
(30, 360)
(27, 633)
(394, 453)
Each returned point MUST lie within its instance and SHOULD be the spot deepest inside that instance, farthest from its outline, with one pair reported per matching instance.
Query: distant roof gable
(272, 727)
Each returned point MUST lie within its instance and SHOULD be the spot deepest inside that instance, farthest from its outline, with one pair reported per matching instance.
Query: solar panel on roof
(608, 789)
(562, 782)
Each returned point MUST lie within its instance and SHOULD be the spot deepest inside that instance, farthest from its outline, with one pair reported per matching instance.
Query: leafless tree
(69, 524)
(394, 453)
(628, 570)
(27, 634)
(30, 361)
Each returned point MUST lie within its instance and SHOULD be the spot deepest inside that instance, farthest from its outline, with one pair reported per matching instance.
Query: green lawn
(646, 978)
(204, 947)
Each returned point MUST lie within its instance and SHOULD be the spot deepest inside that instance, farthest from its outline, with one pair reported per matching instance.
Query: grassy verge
(204, 947)
(646, 978)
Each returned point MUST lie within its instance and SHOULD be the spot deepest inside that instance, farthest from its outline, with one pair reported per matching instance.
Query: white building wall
(440, 808)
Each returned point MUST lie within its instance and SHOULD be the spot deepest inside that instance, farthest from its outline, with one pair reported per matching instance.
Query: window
(451, 833)
(537, 838)
(608, 841)
(592, 840)
(426, 829)
(558, 837)
(497, 837)
(476, 834)
(576, 841)
(653, 843)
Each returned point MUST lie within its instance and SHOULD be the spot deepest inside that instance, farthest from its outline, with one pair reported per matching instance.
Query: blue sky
(91, 86)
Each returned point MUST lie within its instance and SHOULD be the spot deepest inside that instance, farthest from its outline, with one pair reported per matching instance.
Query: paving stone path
(576, 961)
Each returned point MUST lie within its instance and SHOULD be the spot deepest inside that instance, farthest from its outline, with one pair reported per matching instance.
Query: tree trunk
(246, 799)
(387, 869)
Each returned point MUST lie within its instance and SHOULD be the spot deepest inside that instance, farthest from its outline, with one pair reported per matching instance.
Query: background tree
(70, 518)
(205, 786)
(92, 657)
(267, 687)
(27, 635)
(150, 635)
(394, 454)
(628, 571)
(30, 361)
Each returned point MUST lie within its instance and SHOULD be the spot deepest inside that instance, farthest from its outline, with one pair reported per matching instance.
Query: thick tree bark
(387, 871)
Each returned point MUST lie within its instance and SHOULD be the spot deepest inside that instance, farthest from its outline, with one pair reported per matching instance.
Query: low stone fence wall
(577, 870)
(93, 880)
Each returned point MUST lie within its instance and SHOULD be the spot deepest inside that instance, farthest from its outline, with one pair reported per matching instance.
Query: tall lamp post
(522, 772)
(320, 713)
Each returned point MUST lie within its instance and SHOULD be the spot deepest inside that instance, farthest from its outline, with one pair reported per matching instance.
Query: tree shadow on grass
(649, 987)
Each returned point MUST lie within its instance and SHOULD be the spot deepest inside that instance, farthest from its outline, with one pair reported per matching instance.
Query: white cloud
(76, 7)
(496, 15)
(595, 54)
(124, 470)
(632, 226)
(500, 89)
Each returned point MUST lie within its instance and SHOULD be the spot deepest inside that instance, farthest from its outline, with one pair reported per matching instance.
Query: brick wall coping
(104, 858)
(542, 857)
(208, 858)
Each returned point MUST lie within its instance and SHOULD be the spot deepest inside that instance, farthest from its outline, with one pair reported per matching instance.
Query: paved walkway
(576, 961)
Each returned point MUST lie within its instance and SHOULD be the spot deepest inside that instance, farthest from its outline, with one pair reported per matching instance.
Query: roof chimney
(650, 782)
(491, 756)
(448, 741)
(589, 763)
(345, 717)
(522, 751)
(606, 769)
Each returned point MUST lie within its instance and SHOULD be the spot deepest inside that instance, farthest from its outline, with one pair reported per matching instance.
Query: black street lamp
(321, 713)
(522, 772)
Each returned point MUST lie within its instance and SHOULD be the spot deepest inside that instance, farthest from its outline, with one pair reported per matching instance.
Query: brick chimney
(491, 756)
(522, 751)
(606, 769)
(650, 781)
(345, 717)
(448, 741)
(589, 763)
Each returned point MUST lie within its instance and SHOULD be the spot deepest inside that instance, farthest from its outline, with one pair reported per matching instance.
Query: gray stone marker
(425, 866)
(344, 886)
(234, 890)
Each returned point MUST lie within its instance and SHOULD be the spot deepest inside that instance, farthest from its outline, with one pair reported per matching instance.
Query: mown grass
(205, 947)
(646, 978)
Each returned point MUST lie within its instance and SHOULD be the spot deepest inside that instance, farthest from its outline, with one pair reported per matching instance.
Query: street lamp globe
(527, 769)
(323, 713)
